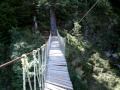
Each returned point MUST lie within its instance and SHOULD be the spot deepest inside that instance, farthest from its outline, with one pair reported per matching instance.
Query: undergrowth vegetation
(23, 41)
(86, 40)
(89, 70)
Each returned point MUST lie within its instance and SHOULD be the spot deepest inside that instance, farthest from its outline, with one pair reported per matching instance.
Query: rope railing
(36, 76)
(13, 61)
(34, 69)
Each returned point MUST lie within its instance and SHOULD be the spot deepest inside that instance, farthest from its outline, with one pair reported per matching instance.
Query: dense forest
(93, 61)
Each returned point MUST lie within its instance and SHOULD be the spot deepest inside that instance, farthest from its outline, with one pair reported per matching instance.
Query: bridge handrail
(62, 42)
(39, 63)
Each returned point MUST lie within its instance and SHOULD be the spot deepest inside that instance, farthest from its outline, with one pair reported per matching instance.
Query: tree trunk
(35, 13)
(53, 22)
(35, 23)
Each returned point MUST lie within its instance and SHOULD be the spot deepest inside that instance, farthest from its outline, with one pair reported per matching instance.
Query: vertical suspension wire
(29, 81)
(61, 41)
(45, 64)
(48, 44)
(64, 44)
(24, 81)
(39, 67)
(36, 70)
(45, 54)
(45, 61)
(25, 65)
(42, 68)
(34, 57)
(24, 70)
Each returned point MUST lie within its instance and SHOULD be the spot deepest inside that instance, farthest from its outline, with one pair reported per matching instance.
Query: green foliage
(4, 57)
(7, 15)
(23, 41)
(88, 69)
(97, 32)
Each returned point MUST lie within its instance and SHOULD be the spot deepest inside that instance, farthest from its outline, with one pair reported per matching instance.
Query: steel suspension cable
(13, 61)
(89, 11)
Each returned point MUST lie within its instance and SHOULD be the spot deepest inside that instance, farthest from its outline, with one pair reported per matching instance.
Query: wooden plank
(61, 73)
(60, 59)
(47, 88)
(58, 68)
(64, 85)
(60, 80)
(60, 63)
(58, 85)
(59, 77)
(50, 86)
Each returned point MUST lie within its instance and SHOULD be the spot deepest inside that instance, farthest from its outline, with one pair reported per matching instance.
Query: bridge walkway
(57, 76)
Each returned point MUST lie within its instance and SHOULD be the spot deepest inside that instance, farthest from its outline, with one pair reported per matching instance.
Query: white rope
(35, 60)
(39, 68)
(38, 64)
(25, 66)
(29, 81)
(42, 65)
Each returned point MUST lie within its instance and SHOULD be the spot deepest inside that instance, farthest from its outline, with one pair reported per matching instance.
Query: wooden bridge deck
(57, 76)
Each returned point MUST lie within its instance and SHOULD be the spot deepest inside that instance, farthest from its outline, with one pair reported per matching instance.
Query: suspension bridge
(48, 68)
(45, 68)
